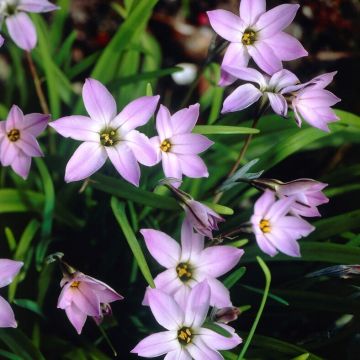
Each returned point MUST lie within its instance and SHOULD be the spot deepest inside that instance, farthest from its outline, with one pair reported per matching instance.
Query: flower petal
(286, 47)
(164, 124)
(7, 317)
(22, 31)
(181, 354)
(98, 101)
(236, 55)
(86, 300)
(284, 242)
(264, 203)
(226, 24)
(8, 270)
(164, 249)
(29, 145)
(36, 6)
(35, 123)
(157, 344)
(124, 162)
(197, 305)
(283, 79)
(165, 309)
(168, 281)
(278, 103)
(171, 166)
(250, 10)
(265, 57)
(192, 166)
(189, 144)
(276, 19)
(218, 260)
(141, 147)
(297, 227)
(279, 209)
(78, 127)
(218, 341)
(241, 98)
(76, 317)
(21, 164)
(247, 74)
(88, 158)
(137, 113)
(192, 243)
(14, 119)
(264, 244)
(184, 120)
(200, 350)
(8, 152)
(220, 295)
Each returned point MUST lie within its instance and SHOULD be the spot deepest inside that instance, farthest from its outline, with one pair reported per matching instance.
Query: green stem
(107, 339)
(267, 274)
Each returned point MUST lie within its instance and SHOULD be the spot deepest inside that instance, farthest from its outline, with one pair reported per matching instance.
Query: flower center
(249, 37)
(185, 336)
(184, 272)
(109, 137)
(8, 7)
(13, 135)
(165, 145)
(265, 226)
(75, 284)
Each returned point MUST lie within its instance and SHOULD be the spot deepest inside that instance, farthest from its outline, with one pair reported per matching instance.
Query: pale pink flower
(106, 134)
(186, 336)
(190, 264)
(270, 88)
(312, 103)
(274, 229)
(84, 296)
(18, 142)
(177, 147)
(307, 194)
(8, 270)
(257, 34)
(1, 41)
(20, 27)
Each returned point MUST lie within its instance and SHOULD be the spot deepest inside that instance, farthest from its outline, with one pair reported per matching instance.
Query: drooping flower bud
(226, 315)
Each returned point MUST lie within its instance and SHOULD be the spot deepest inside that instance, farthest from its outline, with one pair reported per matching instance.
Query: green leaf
(223, 130)
(261, 292)
(302, 357)
(10, 239)
(20, 344)
(127, 191)
(267, 274)
(7, 355)
(130, 29)
(29, 305)
(220, 209)
(118, 209)
(234, 277)
(216, 328)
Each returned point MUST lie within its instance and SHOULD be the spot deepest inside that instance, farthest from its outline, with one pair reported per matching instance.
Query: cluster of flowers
(189, 285)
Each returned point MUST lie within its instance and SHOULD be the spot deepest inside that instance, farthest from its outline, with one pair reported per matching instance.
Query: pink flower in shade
(83, 296)
(18, 142)
(19, 25)
(186, 336)
(177, 147)
(312, 103)
(307, 194)
(270, 88)
(257, 34)
(106, 134)
(203, 219)
(274, 229)
(8, 270)
(190, 264)
(1, 41)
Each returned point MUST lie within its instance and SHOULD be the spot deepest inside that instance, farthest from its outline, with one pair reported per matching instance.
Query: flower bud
(227, 314)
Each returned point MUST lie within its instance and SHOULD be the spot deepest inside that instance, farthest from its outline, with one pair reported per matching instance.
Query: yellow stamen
(75, 284)
(13, 135)
(185, 336)
(265, 226)
(184, 272)
(248, 37)
(165, 145)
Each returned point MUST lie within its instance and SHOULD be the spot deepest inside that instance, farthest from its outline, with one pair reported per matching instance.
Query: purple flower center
(249, 37)
(185, 336)
(165, 145)
(184, 272)
(109, 137)
(75, 284)
(265, 226)
(13, 135)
